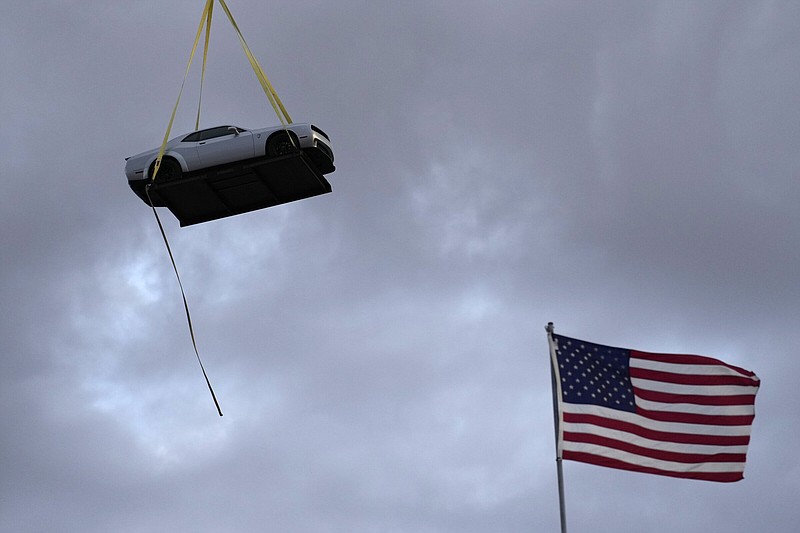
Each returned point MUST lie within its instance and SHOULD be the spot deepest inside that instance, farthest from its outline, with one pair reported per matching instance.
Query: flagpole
(556, 422)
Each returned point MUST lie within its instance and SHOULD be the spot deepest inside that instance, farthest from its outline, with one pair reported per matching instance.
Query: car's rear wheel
(281, 144)
(169, 170)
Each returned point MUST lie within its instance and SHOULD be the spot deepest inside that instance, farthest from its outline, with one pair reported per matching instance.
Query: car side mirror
(233, 130)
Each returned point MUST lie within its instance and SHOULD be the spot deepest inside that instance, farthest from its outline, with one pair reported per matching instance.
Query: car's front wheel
(281, 144)
(169, 170)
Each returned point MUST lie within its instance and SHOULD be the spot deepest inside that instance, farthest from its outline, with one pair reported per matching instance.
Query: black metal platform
(236, 188)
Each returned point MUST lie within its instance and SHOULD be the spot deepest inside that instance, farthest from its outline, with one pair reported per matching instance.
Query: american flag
(684, 416)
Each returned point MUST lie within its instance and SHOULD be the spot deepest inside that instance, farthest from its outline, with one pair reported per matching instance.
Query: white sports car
(227, 144)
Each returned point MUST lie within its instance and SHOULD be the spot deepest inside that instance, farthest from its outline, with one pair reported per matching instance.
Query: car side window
(213, 133)
(192, 138)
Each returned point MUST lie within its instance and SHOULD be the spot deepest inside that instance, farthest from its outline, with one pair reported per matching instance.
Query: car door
(187, 149)
(222, 145)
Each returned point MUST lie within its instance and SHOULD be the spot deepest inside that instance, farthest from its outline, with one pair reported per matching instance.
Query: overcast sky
(628, 170)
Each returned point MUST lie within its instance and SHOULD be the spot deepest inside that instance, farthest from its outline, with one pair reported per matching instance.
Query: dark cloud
(625, 170)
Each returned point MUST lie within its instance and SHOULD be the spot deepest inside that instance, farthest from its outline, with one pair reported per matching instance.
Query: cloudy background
(627, 170)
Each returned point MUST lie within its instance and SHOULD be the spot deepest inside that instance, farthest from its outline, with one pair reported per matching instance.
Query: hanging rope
(185, 304)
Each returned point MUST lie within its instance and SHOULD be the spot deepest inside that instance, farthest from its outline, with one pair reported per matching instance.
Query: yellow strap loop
(269, 90)
(203, 19)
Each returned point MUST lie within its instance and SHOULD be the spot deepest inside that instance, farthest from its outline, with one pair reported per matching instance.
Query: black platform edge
(237, 188)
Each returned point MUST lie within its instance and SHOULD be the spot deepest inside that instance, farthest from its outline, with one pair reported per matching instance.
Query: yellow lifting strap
(205, 60)
(269, 90)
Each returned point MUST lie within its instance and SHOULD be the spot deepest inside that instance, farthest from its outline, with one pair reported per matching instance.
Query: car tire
(280, 144)
(170, 170)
